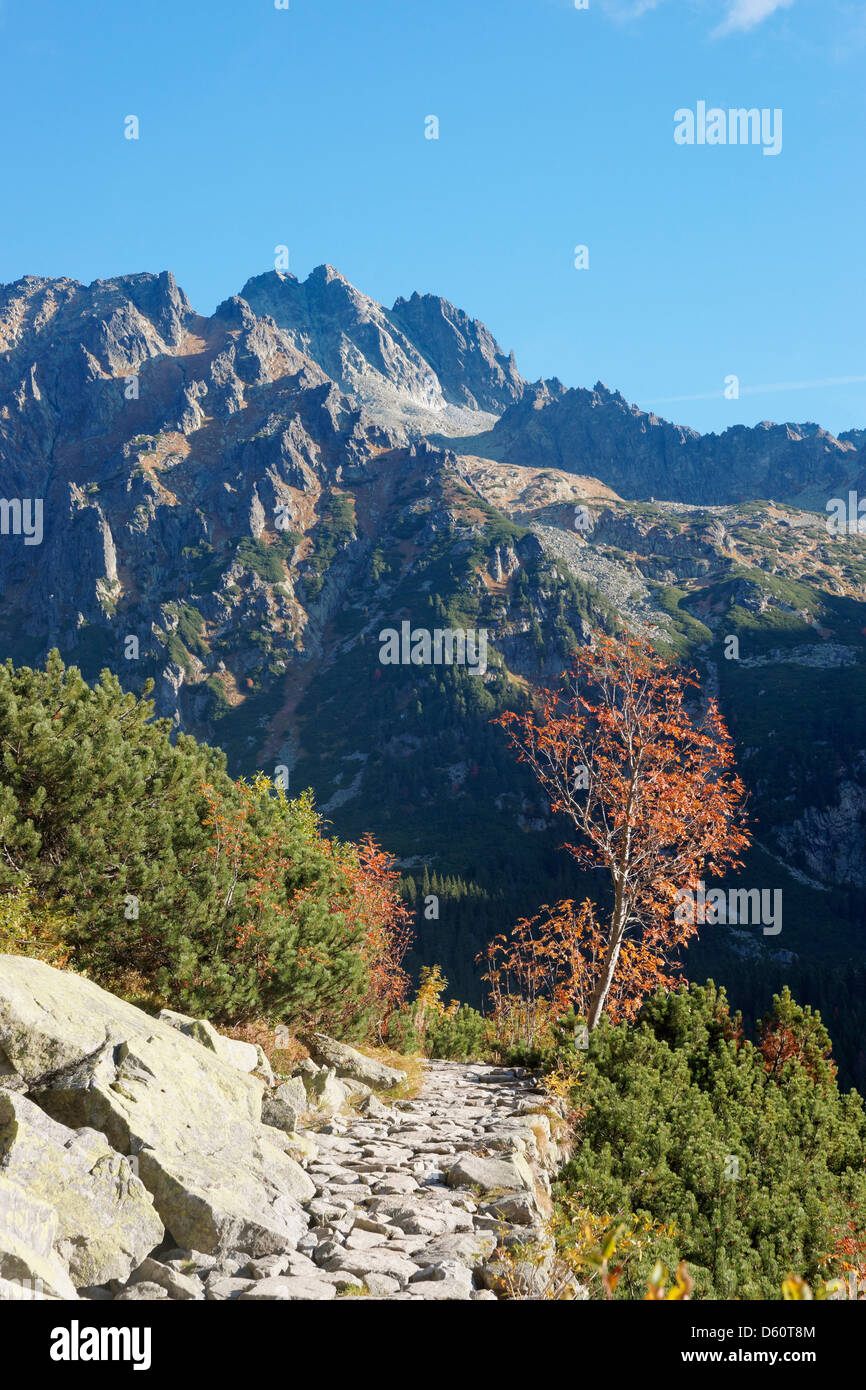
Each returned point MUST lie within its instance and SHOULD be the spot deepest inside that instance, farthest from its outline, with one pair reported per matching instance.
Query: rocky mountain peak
(471, 367)
(422, 359)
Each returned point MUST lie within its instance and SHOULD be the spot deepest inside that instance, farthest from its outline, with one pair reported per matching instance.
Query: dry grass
(283, 1051)
(412, 1065)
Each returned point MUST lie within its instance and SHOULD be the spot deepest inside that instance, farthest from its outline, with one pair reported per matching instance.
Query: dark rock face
(156, 440)
(599, 434)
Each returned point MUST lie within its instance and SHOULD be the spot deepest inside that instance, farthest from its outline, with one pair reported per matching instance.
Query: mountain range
(235, 506)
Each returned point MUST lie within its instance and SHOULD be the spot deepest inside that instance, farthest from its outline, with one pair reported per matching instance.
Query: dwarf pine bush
(222, 897)
(747, 1154)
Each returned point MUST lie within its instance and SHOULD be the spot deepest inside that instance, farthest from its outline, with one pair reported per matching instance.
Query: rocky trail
(413, 1199)
(148, 1158)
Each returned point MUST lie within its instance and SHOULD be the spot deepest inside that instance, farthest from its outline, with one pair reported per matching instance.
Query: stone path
(406, 1198)
(412, 1199)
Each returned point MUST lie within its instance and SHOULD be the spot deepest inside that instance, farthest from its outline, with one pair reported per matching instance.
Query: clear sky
(306, 127)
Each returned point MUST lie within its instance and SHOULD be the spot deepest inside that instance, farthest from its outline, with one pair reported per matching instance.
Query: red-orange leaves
(652, 793)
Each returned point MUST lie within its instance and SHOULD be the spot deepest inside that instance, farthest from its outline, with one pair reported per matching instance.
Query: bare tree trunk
(608, 969)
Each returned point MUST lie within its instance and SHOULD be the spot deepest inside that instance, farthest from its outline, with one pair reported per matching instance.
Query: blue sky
(305, 127)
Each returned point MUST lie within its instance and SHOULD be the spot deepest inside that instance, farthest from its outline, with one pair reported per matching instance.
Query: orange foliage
(255, 862)
(654, 798)
(550, 963)
(374, 885)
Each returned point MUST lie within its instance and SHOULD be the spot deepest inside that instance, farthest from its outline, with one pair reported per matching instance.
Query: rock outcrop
(348, 1061)
(404, 364)
(189, 1122)
(106, 1221)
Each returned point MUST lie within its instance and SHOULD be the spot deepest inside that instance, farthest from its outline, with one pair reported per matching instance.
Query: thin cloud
(740, 15)
(765, 390)
(747, 14)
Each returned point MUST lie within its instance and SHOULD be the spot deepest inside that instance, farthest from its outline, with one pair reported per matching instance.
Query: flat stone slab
(285, 1288)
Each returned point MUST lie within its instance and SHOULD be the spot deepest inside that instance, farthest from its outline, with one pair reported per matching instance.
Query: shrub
(462, 1036)
(454, 1031)
(224, 897)
(749, 1153)
(28, 928)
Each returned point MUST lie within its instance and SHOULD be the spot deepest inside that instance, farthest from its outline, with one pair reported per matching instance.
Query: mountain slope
(643, 456)
(236, 506)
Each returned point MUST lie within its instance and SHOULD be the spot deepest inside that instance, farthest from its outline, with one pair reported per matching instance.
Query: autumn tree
(548, 964)
(650, 789)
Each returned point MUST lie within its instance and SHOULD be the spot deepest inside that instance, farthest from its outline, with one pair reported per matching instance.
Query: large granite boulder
(190, 1120)
(106, 1222)
(245, 1056)
(492, 1175)
(326, 1095)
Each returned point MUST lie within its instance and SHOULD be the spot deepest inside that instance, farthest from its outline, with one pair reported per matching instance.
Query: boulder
(176, 1284)
(347, 1061)
(355, 1090)
(444, 1269)
(248, 1057)
(189, 1118)
(469, 1248)
(28, 1262)
(146, 1292)
(527, 1278)
(106, 1222)
(269, 1266)
(364, 1262)
(279, 1114)
(519, 1208)
(226, 1289)
(293, 1093)
(492, 1175)
(263, 1068)
(374, 1108)
(242, 1055)
(442, 1290)
(325, 1093)
(380, 1285)
(287, 1287)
